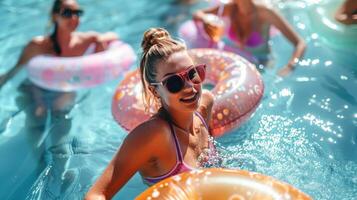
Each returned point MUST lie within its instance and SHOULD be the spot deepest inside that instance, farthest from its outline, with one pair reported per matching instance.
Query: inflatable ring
(73, 73)
(238, 88)
(215, 184)
(330, 31)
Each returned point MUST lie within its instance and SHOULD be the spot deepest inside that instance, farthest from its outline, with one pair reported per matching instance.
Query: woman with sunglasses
(176, 138)
(64, 41)
(247, 28)
(47, 120)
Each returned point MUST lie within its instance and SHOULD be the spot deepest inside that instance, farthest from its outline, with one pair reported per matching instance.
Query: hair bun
(153, 36)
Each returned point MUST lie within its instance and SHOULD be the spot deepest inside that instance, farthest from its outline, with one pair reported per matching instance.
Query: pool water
(304, 132)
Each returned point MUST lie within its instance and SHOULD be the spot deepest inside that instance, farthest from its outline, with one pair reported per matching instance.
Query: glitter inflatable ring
(237, 88)
(73, 73)
(212, 184)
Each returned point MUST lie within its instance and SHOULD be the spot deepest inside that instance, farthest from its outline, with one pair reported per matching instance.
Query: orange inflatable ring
(213, 184)
(238, 88)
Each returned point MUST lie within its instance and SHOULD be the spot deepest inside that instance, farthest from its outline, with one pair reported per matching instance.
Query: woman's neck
(183, 120)
(64, 38)
(245, 9)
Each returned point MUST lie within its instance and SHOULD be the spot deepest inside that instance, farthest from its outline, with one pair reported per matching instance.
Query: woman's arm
(102, 40)
(279, 22)
(136, 149)
(200, 14)
(206, 104)
(210, 26)
(28, 52)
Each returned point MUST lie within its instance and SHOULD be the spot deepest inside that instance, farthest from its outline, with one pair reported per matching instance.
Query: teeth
(190, 97)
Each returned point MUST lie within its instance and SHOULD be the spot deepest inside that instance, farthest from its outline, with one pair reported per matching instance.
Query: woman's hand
(102, 41)
(214, 30)
(286, 70)
(279, 22)
(212, 24)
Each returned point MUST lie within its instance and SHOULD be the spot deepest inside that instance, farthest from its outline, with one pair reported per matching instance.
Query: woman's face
(186, 99)
(68, 17)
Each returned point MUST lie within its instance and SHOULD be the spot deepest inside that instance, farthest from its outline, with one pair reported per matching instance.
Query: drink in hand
(214, 27)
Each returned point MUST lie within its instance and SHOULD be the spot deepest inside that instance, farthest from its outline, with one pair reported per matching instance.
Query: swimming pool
(304, 132)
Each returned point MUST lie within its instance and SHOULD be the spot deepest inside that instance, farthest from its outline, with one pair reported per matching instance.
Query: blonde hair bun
(154, 36)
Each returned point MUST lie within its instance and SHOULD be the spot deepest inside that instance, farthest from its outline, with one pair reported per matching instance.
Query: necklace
(195, 130)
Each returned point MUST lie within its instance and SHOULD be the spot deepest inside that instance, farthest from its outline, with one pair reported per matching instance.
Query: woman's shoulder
(37, 46)
(153, 130)
(39, 42)
(264, 10)
(266, 13)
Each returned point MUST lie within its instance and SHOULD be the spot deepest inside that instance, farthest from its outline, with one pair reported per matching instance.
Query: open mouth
(190, 99)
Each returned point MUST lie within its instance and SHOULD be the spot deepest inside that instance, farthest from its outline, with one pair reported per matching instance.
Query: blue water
(304, 132)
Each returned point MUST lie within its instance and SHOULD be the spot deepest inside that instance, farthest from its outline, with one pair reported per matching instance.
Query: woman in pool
(64, 41)
(40, 105)
(347, 12)
(173, 139)
(248, 29)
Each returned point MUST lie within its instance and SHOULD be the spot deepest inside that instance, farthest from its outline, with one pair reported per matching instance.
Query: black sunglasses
(68, 13)
(176, 82)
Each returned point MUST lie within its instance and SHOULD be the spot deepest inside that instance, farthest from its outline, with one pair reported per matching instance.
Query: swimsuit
(255, 39)
(256, 44)
(180, 165)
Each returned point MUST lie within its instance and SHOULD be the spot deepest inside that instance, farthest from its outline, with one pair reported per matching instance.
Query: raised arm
(279, 22)
(223, 10)
(136, 149)
(200, 14)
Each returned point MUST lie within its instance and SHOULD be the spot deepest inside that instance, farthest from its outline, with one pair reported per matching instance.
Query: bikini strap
(202, 119)
(177, 144)
(210, 144)
(164, 115)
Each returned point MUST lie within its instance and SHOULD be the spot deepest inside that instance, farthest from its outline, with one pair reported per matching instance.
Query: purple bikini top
(255, 39)
(180, 165)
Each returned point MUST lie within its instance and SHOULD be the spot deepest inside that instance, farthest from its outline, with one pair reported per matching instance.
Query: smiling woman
(173, 83)
(238, 88)
(63, 42)
(46, 125)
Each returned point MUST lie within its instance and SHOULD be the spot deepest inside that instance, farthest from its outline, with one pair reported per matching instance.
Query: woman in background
(47, 122)
(248, 29)
(347, 12)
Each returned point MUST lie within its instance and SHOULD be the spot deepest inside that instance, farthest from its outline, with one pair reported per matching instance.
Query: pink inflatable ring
(238, 88)
(73, 73)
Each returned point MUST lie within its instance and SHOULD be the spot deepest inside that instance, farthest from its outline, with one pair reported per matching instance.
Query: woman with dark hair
(48, 122)
(64, 41)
